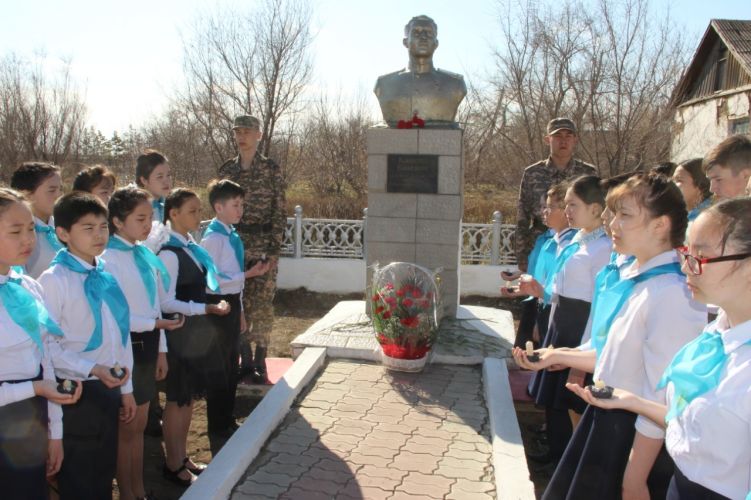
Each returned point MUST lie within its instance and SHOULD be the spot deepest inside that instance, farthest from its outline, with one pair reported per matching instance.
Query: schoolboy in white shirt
(224, 245)
(93, 314)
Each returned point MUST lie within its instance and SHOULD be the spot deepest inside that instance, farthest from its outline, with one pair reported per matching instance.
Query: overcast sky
(127, 55)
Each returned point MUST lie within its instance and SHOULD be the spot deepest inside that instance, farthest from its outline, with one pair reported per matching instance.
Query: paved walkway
(362, 432)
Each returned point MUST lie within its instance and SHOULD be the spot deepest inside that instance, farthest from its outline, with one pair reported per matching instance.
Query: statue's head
(421, 36)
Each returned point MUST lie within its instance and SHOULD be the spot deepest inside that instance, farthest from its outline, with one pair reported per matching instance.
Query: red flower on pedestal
(410, 321)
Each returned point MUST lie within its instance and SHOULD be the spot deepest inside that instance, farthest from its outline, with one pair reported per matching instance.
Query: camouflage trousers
(258, 302)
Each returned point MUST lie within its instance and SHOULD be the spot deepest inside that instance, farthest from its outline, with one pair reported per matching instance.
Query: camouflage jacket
(536, 181)
(264, 219)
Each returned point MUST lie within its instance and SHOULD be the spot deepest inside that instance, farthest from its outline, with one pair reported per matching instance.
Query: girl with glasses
(641, 318)
(707, 413)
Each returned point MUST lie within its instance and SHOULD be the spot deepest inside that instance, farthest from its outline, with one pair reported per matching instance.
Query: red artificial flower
(407, 302)
(391, 301)
(375, 297)
(410, 321)
(417, 293)
(389, 286)
(387, 315)
(380, 309)
(401, 292)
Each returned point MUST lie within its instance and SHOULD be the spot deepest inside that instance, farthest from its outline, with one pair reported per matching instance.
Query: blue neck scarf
(611, 293)
(26, 311)
(49, 235)
(695, 369)
(147, 263)
(203, 258)
(534, 255)
(99, 286)
(234, 239)
(158, 206)
(694, 212)
(556, 267)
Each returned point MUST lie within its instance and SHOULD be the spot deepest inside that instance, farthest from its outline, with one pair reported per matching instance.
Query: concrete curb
(509, 462)
(228, 466)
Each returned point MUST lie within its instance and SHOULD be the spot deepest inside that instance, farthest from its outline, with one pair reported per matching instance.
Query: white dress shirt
(42, 253)
(143, 315)
(657, 320)
(710, 441)
(221, 251)
(576, 280)
(67, 304)
(20, 359)
(170, 304)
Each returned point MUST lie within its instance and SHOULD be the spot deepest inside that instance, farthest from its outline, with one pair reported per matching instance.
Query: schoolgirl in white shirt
(192, 349)
(143, 279)
(42, 185)
(571, 285)
(30, 416)
(639, 322)
(707, 410)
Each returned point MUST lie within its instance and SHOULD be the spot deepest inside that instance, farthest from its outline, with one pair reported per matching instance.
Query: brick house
(713, 98)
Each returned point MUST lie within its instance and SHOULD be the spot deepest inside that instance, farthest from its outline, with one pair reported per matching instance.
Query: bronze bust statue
(432, 94)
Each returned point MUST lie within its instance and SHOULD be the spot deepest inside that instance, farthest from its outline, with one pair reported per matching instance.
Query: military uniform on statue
(262, 232)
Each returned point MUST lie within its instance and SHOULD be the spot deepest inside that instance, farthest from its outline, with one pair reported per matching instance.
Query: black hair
(694, 169)
(70, 208)
(665, 168)
(222, 190)
(588, 189)
(123, 202)
(31, 174)
(660, 197)
(734, 216)
(146, 163)
(177, 199)
(616, 180)
(91, 177)
(8, 197)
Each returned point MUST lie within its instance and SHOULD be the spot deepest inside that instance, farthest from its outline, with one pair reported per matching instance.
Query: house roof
(735, 35)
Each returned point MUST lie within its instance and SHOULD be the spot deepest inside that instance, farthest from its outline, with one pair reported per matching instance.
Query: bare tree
(41, 113)
(608, 65)
(247, 61)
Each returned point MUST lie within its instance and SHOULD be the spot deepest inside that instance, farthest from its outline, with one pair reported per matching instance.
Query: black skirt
(23, 441)
(192, 356)
(595, 459)
(566, 330)
(682, 488)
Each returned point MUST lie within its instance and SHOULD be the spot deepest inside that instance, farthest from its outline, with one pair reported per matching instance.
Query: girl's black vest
(191, 278)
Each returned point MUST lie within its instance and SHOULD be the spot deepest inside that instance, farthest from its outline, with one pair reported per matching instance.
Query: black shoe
(244, 371)
(259, 378)
(541, 458)
(196, 471)
(174, 476)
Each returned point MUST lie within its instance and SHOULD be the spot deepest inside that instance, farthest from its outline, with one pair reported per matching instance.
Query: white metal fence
(344, 239)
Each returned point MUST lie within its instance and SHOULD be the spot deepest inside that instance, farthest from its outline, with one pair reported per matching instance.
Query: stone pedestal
(417, 227)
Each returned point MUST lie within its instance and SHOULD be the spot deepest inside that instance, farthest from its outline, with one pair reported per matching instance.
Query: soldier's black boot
(259, 365)
(246, 357)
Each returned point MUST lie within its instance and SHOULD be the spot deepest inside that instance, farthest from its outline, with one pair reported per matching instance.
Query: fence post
(298, 232)
(364, 227)
(496, 238)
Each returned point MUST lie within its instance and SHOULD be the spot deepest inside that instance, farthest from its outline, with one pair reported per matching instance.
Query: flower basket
(404, 307)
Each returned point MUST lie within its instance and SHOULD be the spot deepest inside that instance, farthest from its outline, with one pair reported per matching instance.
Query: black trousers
(527, 322)
(23, 449)
(90, 443)
(220, 394)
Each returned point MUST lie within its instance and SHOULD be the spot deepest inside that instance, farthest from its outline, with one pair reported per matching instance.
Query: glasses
(694, 264)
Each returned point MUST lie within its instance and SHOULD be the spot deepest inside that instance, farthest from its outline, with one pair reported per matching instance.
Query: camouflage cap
(246, 121)
(558, 124)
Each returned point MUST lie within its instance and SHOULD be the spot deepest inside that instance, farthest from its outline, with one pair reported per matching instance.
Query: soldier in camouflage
(541, 176)
(262, 231)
